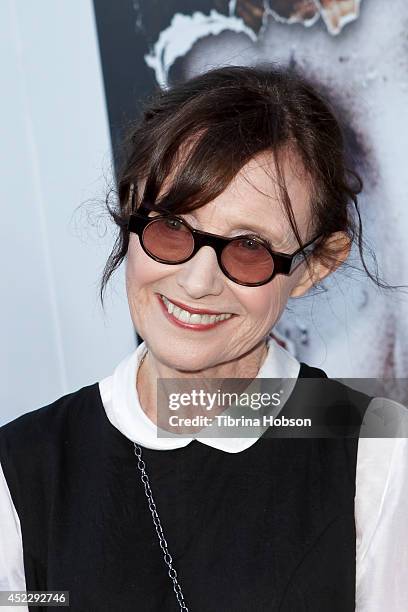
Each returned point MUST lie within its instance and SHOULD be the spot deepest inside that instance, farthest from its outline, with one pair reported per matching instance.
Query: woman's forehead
(255, 193)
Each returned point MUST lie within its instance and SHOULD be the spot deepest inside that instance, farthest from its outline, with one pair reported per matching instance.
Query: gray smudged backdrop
(359, 51)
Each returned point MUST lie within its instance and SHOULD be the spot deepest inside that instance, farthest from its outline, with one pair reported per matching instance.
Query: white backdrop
(55, 151)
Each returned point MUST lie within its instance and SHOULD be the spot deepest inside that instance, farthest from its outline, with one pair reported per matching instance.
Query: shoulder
(385, 418)
(40, 448)
(43, 425)
(383, 442)
(331, 392)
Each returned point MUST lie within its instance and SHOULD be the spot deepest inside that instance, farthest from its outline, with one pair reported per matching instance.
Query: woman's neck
(150, 370)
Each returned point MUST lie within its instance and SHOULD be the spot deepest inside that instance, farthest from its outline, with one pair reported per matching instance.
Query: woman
(234, 196)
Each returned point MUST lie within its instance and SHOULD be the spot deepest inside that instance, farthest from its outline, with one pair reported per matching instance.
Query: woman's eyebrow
(273, 236)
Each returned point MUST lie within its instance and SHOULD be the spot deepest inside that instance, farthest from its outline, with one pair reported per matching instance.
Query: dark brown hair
(226, 117)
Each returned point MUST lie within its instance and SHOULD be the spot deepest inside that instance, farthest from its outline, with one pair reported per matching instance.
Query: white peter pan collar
(121, 402)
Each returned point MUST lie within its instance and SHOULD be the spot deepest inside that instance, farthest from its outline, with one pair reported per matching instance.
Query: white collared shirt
(381, 501)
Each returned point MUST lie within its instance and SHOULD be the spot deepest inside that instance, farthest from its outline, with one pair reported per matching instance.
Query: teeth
(187, 317)
(182, 315)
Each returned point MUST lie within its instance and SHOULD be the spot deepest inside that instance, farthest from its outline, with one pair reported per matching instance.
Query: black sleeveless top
(270, 528)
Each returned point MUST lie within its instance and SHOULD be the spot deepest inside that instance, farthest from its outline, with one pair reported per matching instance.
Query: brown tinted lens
(247, 260)
(168, 239)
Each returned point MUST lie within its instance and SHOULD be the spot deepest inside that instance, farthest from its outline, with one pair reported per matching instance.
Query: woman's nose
(201, 275)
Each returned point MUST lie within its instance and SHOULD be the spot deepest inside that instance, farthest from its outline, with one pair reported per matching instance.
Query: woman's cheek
(141, 270)
(268, 301)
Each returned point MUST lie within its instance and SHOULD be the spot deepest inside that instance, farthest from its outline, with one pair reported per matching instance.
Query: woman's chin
(183, 360)
(188, 366)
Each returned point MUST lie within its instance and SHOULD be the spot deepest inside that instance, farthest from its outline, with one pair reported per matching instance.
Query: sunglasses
(245, 259)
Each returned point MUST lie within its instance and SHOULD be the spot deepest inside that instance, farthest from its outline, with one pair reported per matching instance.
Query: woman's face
(248, 205)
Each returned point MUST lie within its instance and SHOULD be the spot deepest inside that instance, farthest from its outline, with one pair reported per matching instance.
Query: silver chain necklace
(156, 521)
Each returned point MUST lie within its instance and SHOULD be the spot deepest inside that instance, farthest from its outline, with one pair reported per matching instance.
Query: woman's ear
(338, 246)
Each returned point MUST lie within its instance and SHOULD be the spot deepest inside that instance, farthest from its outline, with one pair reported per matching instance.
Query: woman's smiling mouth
(189, 320)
